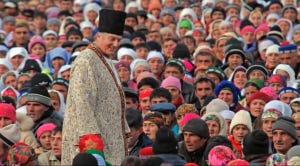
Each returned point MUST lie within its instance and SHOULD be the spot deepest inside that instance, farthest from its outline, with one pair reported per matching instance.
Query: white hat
(126, 51)
(241, 117)
(139, 62)
(264, 45)
(223, 126)
(5, 63)
(286, 68)
(280, 106)
(17, 51)
(227, 114)
(272, 49)
(63, 69)
(86, 24)
(216, 105)
(49, 32)
(155, 54)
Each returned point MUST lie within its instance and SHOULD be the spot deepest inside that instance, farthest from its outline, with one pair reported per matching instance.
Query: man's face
(21, 35)
(204, 61)
(157, 100)
(35, 110)
(130, 21)
(130, 103)
(65, 5)
(51, 41)
(192, 141)
(173, 71)
(282, 141)
(108, 43)
(145, 105)
(134, 136)
(56, 144)
(286, 58)
(62, 89)
(203, 90)
(40, 22)
(287, 97)
(275, 8)
(156, 65)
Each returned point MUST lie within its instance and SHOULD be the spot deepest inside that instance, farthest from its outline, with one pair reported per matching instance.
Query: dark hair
(148, 81)
(248, 84)
(190, 38)
(205, 53)
(218, 9)
(64, 13)
(74, 31)
(141, 45)
(172, 64)
(153, 161)
(161, 92)
(168, 39)
(204, 79)
(165, 142)
(57, 129)
(132, 161)
(40, 15)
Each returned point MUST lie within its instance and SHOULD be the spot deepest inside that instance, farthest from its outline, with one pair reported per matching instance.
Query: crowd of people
(204, 82)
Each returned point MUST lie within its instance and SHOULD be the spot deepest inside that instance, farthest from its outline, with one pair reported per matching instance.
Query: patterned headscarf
(154, 117)
(220, 155)
(276, 159)
(91, 141)
(22, 154)
(184, 109)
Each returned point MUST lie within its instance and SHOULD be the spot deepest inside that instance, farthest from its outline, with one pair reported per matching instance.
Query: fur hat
(111, 21)
(241, 117)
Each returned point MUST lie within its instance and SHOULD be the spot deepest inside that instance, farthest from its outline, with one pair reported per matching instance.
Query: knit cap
(241, 117)
(256, 142)
(189, 116)
(122, 64)
(39, 94)
(289, 48)
(36, 40)
(277, 79)
(260, 68)
(44, 128)
(289, 90)
(220, 73)
(146, 153)
(198, 127)
(8, 111)
(154, 117)
(171, 81)
(227, 84)
(138, 62)
(234, 49)
(272, 49)
(261, 96)
(91, 142)
(185, 24)
(216, 105)
(155, 54)
(286, 124)
(41, 79)
(270, 92)
(262, 27)
(278, 107)
(177, 62)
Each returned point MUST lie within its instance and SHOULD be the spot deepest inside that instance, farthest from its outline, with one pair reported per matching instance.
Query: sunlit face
(213, 127)
(16, 61)
(56, 144)
(234, 61)
(248, 37)
(267, 126)
(156, 65)
(203, 90)
(192, 141)
(139, 70)
(172, 71)
(240, 79)
(124, 74)
(282, 141)
(250, 90)
(287, 97)
(108, 43)
(175, 93)
(256, 19)
(284, 27)
(11, 81)
(145, 104)
(5, 121)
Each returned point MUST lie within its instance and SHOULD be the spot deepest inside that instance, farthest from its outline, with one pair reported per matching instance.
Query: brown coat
(94, 106)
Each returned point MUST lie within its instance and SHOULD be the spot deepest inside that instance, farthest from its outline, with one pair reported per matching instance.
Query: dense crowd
(206, 82)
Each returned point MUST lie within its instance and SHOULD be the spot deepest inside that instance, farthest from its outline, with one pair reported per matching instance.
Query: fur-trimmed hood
(25, 122)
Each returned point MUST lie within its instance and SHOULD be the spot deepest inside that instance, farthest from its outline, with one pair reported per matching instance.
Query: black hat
(165, 142)
(275, 2)
(276, 31)
(257, 67)
(142, 13)
(130, 93)
(61, 81)
(234, 49)
(218, 9)
(31, 64)
(138, 34)
(67, 44)
(245, 23)
(111, 21)
(28, 13)
(198, 127)
(40, 79)
(39, 94)
(181, 51)
(79, 44)
(82, 159)
(134, 118)
(256, 142)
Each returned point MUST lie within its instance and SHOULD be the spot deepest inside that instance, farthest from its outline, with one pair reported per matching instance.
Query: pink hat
(44, 128)
(270, 92)
(189, 116)
(262, 27)
(36, 40)
(143, 75)
(220, 155)
(247, 28)
(8, 111)
(189, 67)
(171, 81)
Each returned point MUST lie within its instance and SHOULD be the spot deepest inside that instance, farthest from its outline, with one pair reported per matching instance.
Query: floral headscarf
(220, 155)
(276, 159)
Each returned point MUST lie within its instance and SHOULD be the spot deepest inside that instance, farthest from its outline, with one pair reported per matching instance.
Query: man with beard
(204, 88)
(284, 134)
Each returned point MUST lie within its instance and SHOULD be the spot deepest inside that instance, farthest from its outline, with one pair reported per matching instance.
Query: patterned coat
(94, 106)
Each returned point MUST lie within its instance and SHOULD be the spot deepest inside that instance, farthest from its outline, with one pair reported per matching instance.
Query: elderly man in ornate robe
(96, 102)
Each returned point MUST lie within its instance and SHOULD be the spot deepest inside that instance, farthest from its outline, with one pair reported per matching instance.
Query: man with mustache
(284, 134)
